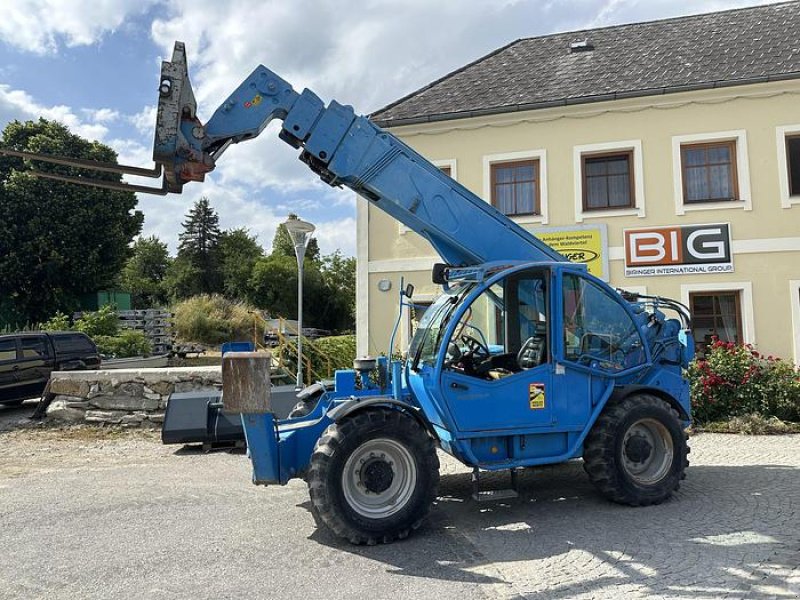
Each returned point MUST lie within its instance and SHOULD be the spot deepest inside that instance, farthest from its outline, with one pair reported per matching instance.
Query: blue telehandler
(525, 359)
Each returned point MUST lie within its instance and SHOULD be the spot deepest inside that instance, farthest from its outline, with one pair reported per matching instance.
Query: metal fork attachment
(94, 165)
(177, 145)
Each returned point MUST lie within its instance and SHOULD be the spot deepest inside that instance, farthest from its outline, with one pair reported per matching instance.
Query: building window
(608, 181)
(709, 172)
(515, 187)
(793, 164)
(716, 314)
(446, 170)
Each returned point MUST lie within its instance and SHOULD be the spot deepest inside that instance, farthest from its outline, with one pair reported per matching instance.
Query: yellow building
(667, 153)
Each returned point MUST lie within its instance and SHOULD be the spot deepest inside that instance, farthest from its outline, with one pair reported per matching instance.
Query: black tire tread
(599, 456)
(324, 505)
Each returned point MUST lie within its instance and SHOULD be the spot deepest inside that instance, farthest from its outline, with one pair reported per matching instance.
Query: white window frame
(578, 152)
(446, 162)
(745, 288)
(794, 299)
(781, 133)
(738, 136)
(541, 156)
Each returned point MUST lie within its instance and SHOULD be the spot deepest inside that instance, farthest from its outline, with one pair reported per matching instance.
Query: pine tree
(198, 249)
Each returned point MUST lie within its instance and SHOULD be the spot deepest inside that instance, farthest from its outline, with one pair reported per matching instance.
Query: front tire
(636, 453)
(373, 476)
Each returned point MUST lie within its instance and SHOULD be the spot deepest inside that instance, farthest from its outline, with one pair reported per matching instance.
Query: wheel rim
(379, 478)
(647, 451)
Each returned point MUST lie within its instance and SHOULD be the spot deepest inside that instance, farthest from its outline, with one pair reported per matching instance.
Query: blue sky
(94, 65)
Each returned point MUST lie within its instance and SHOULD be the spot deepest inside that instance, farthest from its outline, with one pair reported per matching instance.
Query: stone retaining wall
(126, 397)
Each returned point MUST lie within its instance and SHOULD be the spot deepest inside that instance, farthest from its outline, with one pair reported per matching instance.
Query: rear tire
(636, 453)
(373, 476)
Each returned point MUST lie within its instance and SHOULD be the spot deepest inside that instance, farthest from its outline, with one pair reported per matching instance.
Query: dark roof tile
(695, 52)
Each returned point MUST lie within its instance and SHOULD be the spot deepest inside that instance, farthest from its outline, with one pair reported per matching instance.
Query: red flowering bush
(734, 380)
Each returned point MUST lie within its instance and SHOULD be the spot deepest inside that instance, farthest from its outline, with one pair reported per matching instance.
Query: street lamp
(300, 233)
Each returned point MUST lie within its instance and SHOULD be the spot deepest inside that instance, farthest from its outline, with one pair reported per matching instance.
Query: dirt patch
(37, 448)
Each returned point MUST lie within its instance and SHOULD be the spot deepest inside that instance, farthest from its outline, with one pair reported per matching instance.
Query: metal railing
(286, 349)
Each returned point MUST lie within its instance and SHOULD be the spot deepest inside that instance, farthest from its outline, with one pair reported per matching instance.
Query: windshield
(426, 339)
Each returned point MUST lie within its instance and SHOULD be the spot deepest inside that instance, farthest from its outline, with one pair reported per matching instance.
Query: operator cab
(504, 330)
(523, 320)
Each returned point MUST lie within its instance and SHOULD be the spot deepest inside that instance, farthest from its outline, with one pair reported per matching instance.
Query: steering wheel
(531, 354)
(475, 348)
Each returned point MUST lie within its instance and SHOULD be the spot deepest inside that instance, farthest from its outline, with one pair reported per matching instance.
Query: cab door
(498, 372)
(34, 363)
(8, 368)
(596, 344)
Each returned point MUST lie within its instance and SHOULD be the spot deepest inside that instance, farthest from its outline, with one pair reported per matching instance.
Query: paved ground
(121, 516)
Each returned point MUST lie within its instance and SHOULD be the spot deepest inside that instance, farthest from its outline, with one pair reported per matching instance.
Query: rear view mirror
(409, 291)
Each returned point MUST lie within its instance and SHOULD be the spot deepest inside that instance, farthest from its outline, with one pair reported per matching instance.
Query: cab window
(34, 347)
(504, 331)
(598, 332)
(8, 349)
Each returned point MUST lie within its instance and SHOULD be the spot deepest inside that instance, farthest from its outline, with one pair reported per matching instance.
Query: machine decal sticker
(536, 396)
(254, 102)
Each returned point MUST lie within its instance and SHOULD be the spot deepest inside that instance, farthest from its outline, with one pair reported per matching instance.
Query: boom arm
(344, 149)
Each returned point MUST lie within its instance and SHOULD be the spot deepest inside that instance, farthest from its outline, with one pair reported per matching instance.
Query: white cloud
(339, 234)
(102, 115)
(235, 206)
(18, 104)
(144, 121)
(40, 26)
(368, 56)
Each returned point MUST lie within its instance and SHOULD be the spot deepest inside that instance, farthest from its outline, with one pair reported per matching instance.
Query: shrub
(103, 322)
(58, 322)
(337, 351)
(326, 354)
(735, 380)
(128, 343)
(213, 319)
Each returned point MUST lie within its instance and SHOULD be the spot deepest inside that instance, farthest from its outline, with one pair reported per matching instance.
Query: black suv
(26, 360)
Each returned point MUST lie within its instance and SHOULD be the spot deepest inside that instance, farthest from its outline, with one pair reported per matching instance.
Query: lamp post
(300, 233)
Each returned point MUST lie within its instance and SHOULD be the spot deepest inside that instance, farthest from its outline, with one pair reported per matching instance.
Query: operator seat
(531, 353)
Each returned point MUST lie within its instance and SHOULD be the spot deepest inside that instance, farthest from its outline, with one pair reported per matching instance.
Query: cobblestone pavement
(732, 531)
(124, 517)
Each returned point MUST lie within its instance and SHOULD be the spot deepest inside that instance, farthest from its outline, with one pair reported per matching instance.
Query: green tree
(273, 285)
(238, 252)
(182, 278)
(328, 286)
(145, 273)
(339, 276)
(282, 244)
(198, 247)
(57, 240)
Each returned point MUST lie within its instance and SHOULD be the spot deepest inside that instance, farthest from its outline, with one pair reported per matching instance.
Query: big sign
(678, 250)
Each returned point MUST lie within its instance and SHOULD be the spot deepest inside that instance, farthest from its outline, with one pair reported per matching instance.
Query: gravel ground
(97, 514)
